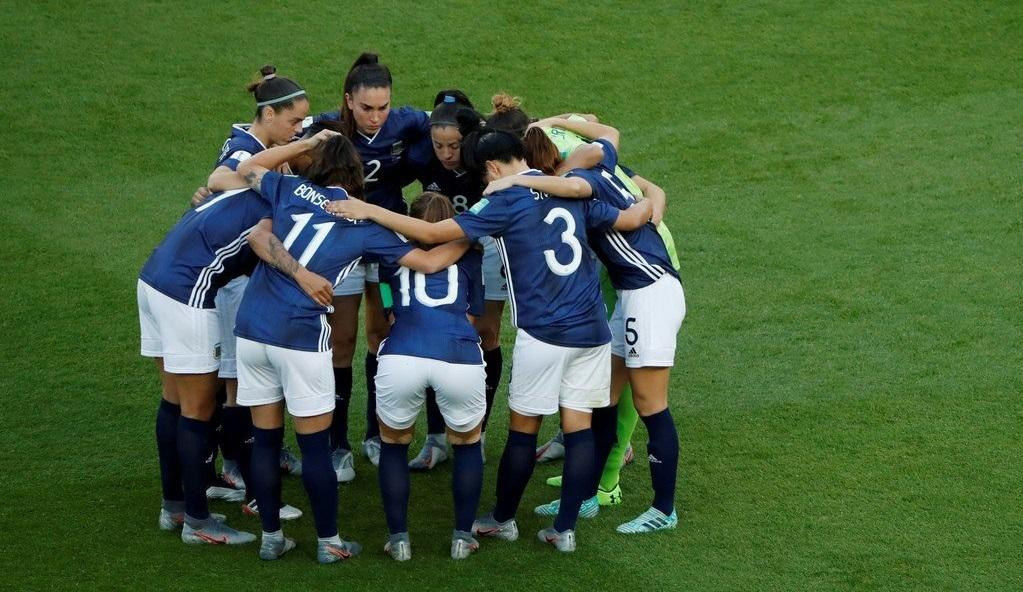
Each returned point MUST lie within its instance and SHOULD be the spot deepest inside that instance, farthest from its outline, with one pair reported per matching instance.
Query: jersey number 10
(420, 288)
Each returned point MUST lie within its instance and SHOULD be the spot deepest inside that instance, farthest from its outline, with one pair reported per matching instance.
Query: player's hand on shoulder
(322, 136)
(199, 195)
(351, 208)
(499, 185)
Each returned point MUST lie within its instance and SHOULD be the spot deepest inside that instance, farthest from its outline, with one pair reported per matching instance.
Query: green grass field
(844, 185)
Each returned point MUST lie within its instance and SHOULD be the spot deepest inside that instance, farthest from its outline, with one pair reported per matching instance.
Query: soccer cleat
(214, 532)
(290, 463)
(629, 456)
(344, 465)
(272, 546)
(552, 450)
(371, 448)
(589, 509)
(232, 475)
(399, 547)
(562, 541)
(463, 545)
(609, 498)
(554, 481)
(287, 512)
(650, 521)
(434, 452)
(488, 527)
(221, 489)
(174, 520)
(337, 550)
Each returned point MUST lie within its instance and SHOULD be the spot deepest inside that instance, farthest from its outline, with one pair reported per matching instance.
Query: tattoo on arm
(252, 178)
(280, 258)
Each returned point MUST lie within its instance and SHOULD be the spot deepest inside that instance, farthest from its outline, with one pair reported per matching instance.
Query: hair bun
(503, 102)
(268, 71)
(367, 58)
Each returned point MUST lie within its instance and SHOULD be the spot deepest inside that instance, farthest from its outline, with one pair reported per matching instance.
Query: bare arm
(570, 187)
(418, 230)
(586, 116)
(588, 129)
(250, 172)
(636, 216)
(656, 195)
(437, 258)
(584, 156)
(270, 249)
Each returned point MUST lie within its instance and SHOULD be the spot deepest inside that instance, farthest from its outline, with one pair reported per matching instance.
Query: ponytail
(271, 90)
(366, 72)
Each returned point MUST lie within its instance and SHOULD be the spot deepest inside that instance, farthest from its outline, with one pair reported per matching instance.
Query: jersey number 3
(567, 237)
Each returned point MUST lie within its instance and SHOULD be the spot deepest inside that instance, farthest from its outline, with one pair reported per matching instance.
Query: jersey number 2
(322, 229)
(567, 237)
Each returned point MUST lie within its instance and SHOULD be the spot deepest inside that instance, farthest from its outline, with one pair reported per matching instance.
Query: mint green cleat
(650, 521)
(589, 509)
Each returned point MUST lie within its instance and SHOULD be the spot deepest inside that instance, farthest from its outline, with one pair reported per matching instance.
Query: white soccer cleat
(287, 512)
(434, 452)
(552, 450)
(344, 465)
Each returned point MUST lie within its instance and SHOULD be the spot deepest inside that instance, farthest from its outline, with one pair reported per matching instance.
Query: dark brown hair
(336, 163)
(508, 115)
(269, 86)
(541, 153)
(366, 72)
(431, 207)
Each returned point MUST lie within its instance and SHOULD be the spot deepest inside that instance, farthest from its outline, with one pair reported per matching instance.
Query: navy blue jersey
(462, 188)
(274, 309)
(383, 154)
(238, 147)
(552, 274)
(429, 311)
(206, 248)
(636, 258)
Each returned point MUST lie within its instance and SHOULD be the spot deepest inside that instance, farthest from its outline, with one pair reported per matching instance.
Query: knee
(344, 350)
(467, 437)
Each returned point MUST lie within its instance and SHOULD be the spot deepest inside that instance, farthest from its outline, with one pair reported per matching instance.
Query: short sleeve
(271, 187)
(384, 246)
(417, 123)
(599, 215)
(610, 159)
(489, 217)
(235, 158)
(473, 262)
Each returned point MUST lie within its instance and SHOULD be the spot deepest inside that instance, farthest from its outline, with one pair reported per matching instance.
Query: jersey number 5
(301, 220)
(567, 237)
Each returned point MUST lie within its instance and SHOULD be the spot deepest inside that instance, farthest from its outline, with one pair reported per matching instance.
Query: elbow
(581, 188)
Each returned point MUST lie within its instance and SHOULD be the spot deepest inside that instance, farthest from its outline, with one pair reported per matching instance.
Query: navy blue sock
(576, 477)
(517, 462)
(605, 428)
(193, 445)
(216, 429)
(265, 481)
(494, 361)
(167, 450)
(320, 481)
(394, 485)
(663, 450)
(434, 420)
(237, 442)
(342, 397)
(466, 483)
(372, 427)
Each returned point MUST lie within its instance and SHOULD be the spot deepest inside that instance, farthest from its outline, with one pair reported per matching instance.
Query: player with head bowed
(562, 348)
(180, 327)
(381, 136)
(284, 345)
(441, 170)
(432, 345)
(281, 106)
(646, 319)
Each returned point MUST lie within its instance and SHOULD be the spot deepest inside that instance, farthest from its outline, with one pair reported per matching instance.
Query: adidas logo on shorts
(633, 353)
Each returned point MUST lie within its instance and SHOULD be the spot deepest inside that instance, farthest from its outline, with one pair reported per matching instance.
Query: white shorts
(645, 324)
(187, 338)
(546, 376)
(268, 374)
(227, 300)
(401, 391)
(495, 283)
(355, 283)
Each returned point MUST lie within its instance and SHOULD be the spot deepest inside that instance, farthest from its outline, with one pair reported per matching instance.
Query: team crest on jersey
(397, 147)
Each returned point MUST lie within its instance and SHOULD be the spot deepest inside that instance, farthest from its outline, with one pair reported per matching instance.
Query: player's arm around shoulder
(570, 187)
(437, 258)
(268, 247)
(635, 216)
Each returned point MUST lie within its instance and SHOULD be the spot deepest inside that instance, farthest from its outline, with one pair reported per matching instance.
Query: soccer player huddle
(250, 307)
